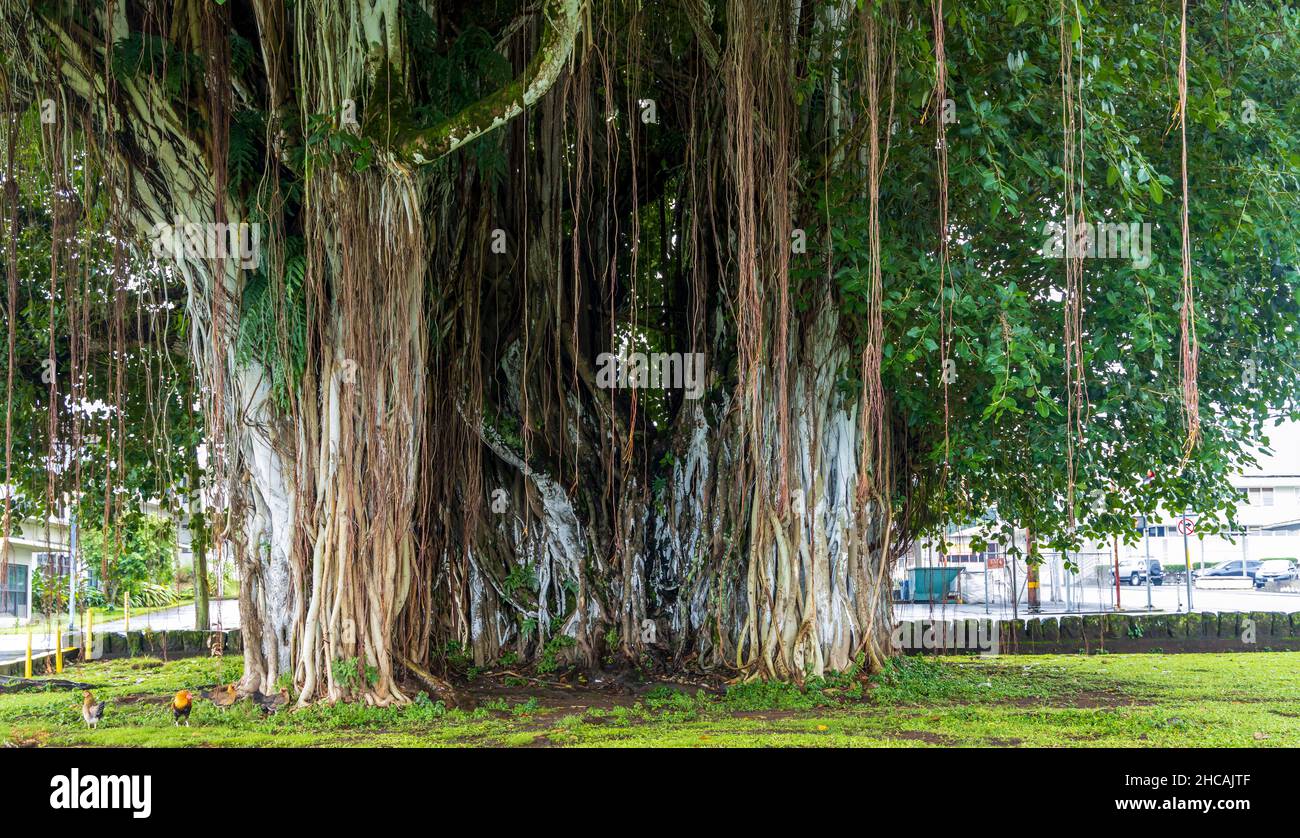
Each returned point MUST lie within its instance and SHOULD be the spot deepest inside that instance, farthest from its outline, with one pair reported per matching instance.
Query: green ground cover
(1226, 699)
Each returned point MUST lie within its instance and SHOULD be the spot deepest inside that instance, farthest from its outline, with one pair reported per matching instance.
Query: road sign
(1186, 526)
(997, 562)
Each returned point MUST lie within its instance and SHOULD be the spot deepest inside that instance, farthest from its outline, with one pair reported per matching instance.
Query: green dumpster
(931, 584)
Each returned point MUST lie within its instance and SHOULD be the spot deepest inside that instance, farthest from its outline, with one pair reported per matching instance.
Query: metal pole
(1146, 540)
(72, 575)
(1187, 560)
(1065, 577)
(1031, 575)
(986, 582)
(1015, 593)
(1115, 542)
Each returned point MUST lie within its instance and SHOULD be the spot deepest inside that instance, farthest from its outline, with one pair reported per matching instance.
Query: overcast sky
(1285, 442)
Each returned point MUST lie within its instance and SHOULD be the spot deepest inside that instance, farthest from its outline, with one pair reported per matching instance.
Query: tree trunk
(363, 519)
(199, 543)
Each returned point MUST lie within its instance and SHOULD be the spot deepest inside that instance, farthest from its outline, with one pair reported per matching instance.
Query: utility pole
(1184, 526)
(1146, 540)
(1115, 543)
(72, 571)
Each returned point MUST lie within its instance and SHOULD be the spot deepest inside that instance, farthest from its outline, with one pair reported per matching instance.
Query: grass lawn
(1233, 699)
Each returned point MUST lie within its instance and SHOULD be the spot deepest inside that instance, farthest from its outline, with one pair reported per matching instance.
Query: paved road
(1167, 599)
(223, 613)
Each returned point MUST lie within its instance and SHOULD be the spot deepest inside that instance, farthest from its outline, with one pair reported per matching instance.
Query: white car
(1134, 571)
(1275, 570)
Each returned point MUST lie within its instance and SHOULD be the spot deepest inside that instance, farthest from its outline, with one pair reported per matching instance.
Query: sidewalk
(222, 613)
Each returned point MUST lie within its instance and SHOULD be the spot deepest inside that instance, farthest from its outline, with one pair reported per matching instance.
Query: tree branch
(561, 20)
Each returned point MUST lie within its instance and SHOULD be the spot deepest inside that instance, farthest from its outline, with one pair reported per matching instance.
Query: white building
(31, 550)
(34, 546)
(1268, 514)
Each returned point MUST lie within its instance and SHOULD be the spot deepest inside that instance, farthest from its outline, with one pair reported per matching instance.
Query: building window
(13, 596)
(1260, 495)
(62, 563)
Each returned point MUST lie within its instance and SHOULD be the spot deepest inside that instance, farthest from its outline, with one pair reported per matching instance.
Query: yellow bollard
(89, 634)
(27, 669)
(58, 651)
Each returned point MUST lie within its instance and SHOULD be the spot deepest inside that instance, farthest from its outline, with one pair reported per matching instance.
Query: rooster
(90, 711)
(181, 706)
(271, 703)
(223, 697)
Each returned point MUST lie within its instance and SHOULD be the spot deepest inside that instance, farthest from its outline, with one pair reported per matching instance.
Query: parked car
(1275, 570)
(1228, 568)
(1134, 571)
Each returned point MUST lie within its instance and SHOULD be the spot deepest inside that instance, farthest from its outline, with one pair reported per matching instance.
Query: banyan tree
(922, 263)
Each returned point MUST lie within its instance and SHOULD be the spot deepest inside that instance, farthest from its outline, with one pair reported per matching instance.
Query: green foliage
(161, 428)
(149, 595)
(436, 709)
(140, 557)
(450, 77)
(348, 673)
(1143, 700)
(767, 695)
(521, 578)
(244, 158)
(49, 592)
(273, 323)
(505, 426)
(457, 656)
(1007, 404)
(523, 708)
(351, 674)
(140, 54)
(549, 661)
(327, 139)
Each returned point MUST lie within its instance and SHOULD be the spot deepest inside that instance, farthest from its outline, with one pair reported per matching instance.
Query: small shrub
(549, 661)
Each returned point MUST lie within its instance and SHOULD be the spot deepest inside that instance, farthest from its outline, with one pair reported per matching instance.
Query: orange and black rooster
(181, 706)
(90, 711)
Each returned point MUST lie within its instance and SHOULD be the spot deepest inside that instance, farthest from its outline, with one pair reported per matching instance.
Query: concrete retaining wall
(178, 643)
